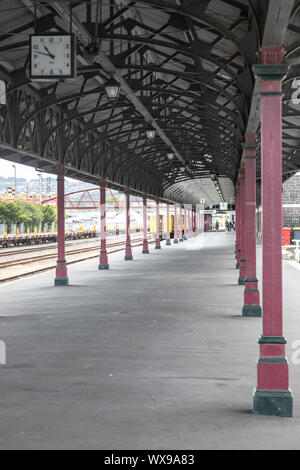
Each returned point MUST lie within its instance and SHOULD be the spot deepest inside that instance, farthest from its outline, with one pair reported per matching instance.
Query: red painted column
(242, 252)
(235, 245)
(61, 278)
(185, 224)
(128, 250)
(175, 225)
(168, 239)
(157, 242)
(251, 306)
(237, 225)
(180, 225)
(145, 242)
(103, 254)
(272, 395)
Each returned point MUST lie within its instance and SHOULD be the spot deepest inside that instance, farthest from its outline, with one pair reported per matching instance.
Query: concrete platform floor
(153, 354)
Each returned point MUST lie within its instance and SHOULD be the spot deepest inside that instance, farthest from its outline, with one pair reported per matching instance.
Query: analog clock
(52, 56)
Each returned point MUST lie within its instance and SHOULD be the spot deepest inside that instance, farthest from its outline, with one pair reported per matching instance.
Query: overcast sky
(23, 171)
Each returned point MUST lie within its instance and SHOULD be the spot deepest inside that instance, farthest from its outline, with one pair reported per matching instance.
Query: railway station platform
(157, 347)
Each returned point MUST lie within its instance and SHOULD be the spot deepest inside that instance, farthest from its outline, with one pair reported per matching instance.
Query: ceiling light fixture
(112, 89)
(151, 134)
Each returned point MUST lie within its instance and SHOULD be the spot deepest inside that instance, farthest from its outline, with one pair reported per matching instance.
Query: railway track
(18, 268)
(39, 257)
(48, 247)
(17, 250)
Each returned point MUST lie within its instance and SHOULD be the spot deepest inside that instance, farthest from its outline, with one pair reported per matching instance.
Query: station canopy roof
(185, 70)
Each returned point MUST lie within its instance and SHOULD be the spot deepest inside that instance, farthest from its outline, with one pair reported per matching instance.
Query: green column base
(61, 281)
(252, 311)
(175, 242)
(128, 258)
(158, 247)
(185, 238)
(273, 403)
(103, 266)
(181, 240)
(168, 244)
(242, 281)
(145, 252)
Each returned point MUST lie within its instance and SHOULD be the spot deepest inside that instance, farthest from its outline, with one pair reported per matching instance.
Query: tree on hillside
(10, 214)
(49, 214)
(27, 213)
(31, 214)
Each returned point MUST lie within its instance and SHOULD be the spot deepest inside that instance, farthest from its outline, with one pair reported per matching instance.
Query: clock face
(52, 56)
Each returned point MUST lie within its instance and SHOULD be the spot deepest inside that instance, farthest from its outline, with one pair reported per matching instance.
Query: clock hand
(42, 53)
(51, 55)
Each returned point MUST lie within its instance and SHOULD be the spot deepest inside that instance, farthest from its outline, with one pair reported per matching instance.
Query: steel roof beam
(276, 25)
(85, 38)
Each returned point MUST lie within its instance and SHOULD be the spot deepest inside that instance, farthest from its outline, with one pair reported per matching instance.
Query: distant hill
(49, 185)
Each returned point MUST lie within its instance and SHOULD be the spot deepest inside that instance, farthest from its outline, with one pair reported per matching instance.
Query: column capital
(271, 72)
(247, 146)
(60, 170)
(271, 65)
(250, 139)
(250, 144)
(270, 55)
(250, 149)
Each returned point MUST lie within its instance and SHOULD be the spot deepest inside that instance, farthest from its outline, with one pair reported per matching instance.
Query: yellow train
(163, 225)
